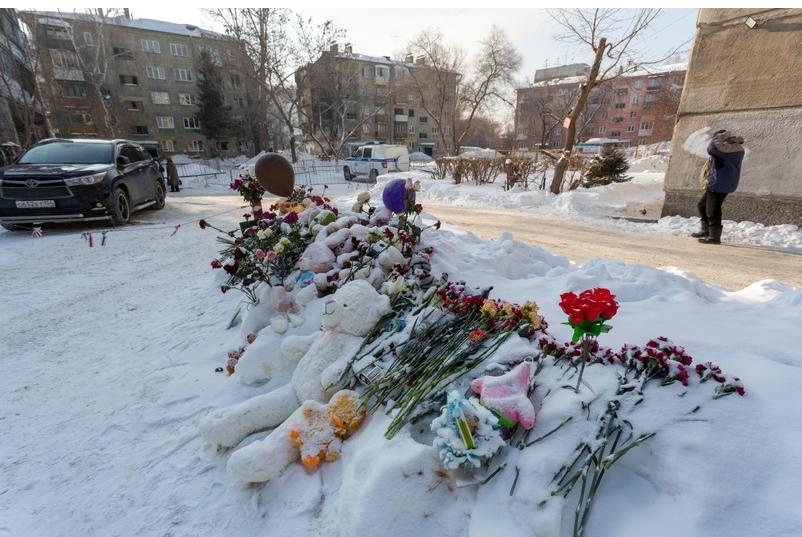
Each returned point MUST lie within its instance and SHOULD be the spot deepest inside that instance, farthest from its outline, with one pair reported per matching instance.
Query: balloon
(275, 174)
(395, 195)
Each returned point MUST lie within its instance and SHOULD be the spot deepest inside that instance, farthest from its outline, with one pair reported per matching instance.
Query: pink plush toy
(507, 394)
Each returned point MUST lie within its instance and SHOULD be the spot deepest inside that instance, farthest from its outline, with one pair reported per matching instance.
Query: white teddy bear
(348, 316)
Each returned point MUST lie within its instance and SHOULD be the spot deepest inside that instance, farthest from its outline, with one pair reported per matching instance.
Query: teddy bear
(507, 394)
(313, 433)
(348, 316)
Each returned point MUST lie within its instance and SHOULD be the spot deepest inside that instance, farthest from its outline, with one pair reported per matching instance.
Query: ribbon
(37, 232)
(91, 242)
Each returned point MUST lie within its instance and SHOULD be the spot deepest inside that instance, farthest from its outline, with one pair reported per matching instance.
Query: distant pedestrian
(719, 177)
(172, 176)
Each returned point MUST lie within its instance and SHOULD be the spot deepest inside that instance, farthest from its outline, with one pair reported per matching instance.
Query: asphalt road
(733, 267)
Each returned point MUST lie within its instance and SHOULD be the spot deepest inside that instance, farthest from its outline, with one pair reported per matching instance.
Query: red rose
(291, 218)
(216, 264)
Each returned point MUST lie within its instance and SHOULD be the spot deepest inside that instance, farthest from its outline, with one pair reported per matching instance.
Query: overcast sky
(383, 32)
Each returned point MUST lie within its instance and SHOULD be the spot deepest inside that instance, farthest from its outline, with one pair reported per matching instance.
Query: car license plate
(38, 204)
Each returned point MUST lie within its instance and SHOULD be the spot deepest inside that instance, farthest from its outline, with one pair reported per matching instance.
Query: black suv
(60, 180)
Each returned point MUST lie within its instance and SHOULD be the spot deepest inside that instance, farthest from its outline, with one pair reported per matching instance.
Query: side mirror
(123, 161)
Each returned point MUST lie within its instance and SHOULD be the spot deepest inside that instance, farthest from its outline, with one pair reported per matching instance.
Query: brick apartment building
(638, 108)
(118, 77)
(354, 98)
(22, 115)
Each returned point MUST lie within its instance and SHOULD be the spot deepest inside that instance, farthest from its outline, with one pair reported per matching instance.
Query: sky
(384, 32)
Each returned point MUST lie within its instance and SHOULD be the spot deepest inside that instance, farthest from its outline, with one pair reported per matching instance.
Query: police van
(373, 160)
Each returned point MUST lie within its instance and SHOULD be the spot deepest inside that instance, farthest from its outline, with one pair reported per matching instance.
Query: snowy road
(733, 267)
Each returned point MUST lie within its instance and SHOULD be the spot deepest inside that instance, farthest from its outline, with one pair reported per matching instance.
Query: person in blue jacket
(719, 177)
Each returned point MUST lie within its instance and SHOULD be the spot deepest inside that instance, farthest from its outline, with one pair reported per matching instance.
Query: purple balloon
(395, 195)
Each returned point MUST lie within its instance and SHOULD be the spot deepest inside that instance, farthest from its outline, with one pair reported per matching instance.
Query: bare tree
(19, 70)
(279, 44)
(610, 34)
(453, 99)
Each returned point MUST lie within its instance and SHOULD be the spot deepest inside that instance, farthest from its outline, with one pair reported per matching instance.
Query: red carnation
(291, 218)
(224, 288)
(216, 264)
(203, 223)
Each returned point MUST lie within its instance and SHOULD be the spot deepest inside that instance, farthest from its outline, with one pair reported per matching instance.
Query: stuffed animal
(507, 395)
(314, 433)
(348, 316)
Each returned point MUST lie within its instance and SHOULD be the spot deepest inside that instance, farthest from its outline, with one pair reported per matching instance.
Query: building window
(413, 98)
(653, 84)
(186, 99)
(562, 93)
(646, 125)
(155, 72)
(183, 75)
(423, 135)
(615, 134)
(134, 106)
(177, 49)
(411, 112)
(635, 99)
(618, 120)
(141, 129)
(129, 80)
(239, 101)
(602, 130)
(160, 97)
(643, 141)
(622, 91)
(411, 129)
(446, 129)
(74, 90)
(380, 91)
(630, 128)
(235, 80)
(620, 105)
(59, 32)
(435, 130)
(165, 122)
(151, 45)
(191, 123)
(66, 59)
(398, 111)
(638, 84)
(633, 114)
(196, 145)
(381, 71)
(350, 115)
(214, 54)
(366, 72)
(381, 128)
(423, 119)
(81, 118)
(168, 145)
(123, 53)
(89, 39)
(365, 129)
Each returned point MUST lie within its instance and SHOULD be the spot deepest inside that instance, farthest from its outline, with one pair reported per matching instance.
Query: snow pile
(651, 163)
(781, 237)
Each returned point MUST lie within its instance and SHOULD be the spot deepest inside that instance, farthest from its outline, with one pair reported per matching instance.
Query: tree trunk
(292, 148)
(562, 164)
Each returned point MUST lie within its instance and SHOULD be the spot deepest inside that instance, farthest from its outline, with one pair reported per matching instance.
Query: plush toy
(507, 395)
(314, 433)
(348, 316)
(467, 433)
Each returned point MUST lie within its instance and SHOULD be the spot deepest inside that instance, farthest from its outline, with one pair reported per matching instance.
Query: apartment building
(638, 107)
(22, 117)
(351, 98)
(119, 77)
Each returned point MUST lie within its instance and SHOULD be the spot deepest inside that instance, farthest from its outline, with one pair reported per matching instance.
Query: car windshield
(69, 153)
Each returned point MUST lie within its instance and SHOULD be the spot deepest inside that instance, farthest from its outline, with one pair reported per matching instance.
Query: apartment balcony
(66, 73)
(401, 118)
(381, 80)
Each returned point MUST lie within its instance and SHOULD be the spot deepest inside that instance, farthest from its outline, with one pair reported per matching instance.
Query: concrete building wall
(748, 80)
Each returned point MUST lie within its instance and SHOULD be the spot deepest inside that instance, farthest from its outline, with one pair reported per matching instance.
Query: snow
(632, 207)
(110, 355)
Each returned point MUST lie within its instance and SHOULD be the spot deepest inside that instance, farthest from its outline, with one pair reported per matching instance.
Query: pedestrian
(719, 177)
(172, 176)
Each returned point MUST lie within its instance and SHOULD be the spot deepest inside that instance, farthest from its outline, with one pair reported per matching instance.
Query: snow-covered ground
(110, 353)
(618, 206)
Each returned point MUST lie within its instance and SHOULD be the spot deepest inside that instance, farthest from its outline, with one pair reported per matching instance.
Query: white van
(374, 160)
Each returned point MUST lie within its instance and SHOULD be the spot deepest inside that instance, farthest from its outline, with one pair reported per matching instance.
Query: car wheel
(160, 195)
(373, 176)
(17, 227)
(347, 173)
(120, 208)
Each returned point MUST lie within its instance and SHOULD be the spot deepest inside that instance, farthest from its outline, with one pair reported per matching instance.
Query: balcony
(401, 118)
(381, 80)
(67, 73)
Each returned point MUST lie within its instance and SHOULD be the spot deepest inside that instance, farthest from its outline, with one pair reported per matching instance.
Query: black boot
(703, 233)
(714, 236)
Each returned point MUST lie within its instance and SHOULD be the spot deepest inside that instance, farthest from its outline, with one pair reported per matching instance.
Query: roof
(383, 60)
(643, 71)
(187, 30)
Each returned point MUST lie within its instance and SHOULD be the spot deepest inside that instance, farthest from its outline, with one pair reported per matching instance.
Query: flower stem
(584, 357)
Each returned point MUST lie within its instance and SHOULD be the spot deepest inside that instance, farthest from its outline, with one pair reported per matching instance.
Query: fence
(307, 172)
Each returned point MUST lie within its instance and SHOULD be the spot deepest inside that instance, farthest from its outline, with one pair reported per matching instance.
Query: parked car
(374, 160)
(63, 180)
